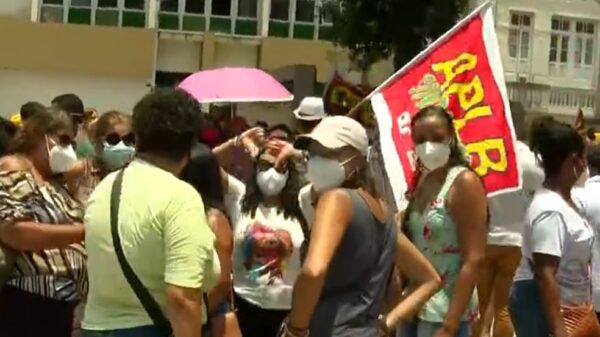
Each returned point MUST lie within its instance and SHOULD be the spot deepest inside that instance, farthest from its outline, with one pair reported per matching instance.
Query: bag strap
(148, 302)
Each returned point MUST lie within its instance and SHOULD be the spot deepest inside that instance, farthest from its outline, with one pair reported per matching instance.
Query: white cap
(335, 132)
(310, 109)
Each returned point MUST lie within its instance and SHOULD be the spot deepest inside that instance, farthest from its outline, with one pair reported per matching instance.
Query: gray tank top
(358, 276)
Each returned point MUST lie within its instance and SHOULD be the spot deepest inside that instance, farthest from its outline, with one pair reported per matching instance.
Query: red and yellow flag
(462, 72)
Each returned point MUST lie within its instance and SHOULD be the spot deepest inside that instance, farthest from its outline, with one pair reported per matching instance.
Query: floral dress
(434, 233)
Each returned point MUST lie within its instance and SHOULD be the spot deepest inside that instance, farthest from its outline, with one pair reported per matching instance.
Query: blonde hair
(106, 121)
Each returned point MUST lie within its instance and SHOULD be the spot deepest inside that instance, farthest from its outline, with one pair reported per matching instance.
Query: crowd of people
(173, 222)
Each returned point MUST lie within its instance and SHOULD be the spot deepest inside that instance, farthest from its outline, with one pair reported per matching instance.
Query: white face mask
(433, 155)
(325, 173)
(271, 182)
(60, 158)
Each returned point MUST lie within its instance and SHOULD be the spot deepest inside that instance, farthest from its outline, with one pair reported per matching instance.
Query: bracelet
(293, 332)
(383, 328)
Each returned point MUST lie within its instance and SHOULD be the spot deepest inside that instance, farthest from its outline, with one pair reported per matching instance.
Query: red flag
(461, 71)
(580, 122)
(341, 96)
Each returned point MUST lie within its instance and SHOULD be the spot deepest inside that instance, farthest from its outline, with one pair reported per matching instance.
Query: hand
(252, 139)
(255, 134)
(284, 150)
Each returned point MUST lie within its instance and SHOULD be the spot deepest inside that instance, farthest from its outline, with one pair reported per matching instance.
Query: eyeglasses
(63, 140)
(114, 138)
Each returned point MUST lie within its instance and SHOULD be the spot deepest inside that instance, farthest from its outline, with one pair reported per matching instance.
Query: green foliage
(377, 29)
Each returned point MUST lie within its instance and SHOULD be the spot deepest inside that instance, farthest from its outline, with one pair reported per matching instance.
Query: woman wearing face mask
(553, 279)
(113, 143)
(341, 288)
(42, 223)
(268, 232)
(446, 219)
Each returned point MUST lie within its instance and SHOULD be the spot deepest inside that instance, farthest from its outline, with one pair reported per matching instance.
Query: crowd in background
(171, 221)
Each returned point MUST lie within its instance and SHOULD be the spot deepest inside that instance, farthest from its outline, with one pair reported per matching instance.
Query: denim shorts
(141, 331)
(428, 329)
(526, 312)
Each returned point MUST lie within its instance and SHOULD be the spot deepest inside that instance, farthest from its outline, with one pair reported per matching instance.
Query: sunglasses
(114, 139)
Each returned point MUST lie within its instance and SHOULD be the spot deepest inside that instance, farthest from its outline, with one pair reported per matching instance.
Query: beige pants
(493, 289)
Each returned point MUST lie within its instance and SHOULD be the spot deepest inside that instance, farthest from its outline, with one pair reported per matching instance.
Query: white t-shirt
(266, 251)
(555, 228)
(589, 197)
(508, 210)
(306, 204)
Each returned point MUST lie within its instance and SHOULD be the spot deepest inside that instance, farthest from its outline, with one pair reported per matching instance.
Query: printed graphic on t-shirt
(265, 253)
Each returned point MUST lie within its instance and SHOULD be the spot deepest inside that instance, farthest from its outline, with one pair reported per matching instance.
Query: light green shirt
(165, 237)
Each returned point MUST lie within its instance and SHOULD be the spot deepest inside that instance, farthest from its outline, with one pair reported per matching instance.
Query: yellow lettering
(482, 148)
(469, 94)
(463, 63)
(474, 113)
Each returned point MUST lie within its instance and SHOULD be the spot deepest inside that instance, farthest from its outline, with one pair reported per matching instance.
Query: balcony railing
(553, 100)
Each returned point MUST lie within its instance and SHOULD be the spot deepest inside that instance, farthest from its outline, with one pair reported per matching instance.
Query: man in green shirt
(162, 227)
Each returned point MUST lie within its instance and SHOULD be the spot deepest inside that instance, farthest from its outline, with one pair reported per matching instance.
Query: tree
(373, 30)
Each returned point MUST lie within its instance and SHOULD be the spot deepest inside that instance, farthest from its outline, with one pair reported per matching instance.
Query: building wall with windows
(551, 55)
(179, 37)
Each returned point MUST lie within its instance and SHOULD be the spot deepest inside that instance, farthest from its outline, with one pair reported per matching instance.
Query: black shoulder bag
(143, 295)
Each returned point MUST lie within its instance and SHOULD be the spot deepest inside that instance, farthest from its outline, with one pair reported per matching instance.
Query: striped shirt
(54, 273)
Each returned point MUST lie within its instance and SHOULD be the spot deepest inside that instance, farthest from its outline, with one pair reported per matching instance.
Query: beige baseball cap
(335, 132)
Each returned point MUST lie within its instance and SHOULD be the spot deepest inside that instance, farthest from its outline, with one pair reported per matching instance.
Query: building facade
(551, 55)
(113, 51)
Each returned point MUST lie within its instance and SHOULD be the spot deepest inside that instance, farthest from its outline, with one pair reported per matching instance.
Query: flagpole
(423, 53)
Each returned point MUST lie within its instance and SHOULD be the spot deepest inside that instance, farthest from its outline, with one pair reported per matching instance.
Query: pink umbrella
(235, 85)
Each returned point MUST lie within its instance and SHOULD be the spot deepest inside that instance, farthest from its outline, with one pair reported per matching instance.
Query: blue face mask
(117, 156)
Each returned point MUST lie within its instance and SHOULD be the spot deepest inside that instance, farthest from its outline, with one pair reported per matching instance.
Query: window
(194, 6)
(247, 8)
(559, 41)
(124, 13)
(52, 11)
(280, 9)
(169, 6)
(519, 36)
(584, 44)
(221, 7)
(326, 8)
(305, 10)
(185, 15)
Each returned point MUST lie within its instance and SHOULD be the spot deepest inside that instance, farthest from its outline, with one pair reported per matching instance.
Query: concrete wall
(100, 92)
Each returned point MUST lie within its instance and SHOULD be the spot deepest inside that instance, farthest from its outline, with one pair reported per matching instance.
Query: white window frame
(520, 29)
(66, 5)
(584, 37)
(557, 64)
(181, 13)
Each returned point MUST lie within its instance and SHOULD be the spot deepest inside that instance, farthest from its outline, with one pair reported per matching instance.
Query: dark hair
(554, 142)
(7, 134)
(29, 109)
(106, 121)
(166, 122)
(262, 124)
(284, 128)
(289, 195)
(591, 134)
(204, 174)
(38, 126)
(457, 155)
(593, 158)
(70, 103)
